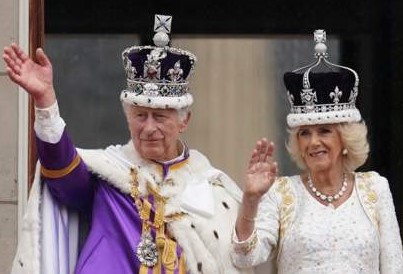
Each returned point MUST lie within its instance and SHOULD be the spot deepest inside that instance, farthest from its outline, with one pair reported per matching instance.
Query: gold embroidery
(287, 204)
(55, 174)
(288, 200)
(172, 167)
(248, 246)
(370, 197)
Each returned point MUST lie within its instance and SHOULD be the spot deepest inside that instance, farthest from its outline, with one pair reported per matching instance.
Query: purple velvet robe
(115, 226)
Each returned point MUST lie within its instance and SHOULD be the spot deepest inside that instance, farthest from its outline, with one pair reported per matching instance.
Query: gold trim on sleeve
(58, 173)
(246, 246)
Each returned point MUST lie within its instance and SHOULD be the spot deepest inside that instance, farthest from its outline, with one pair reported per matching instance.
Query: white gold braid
(328, 198)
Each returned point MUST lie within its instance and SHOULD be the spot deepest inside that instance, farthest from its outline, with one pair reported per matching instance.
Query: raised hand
(261, 171)
(35, 77)
(260, 175)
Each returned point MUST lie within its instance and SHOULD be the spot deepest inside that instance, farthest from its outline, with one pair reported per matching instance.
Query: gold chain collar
(163, 250)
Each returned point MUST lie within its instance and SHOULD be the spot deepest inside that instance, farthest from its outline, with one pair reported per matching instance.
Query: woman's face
(321, 147)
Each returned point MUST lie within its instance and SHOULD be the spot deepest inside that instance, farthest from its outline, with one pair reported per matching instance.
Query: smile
(317, 153)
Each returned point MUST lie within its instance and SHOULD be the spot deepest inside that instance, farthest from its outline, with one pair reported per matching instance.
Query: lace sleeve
(48, 125)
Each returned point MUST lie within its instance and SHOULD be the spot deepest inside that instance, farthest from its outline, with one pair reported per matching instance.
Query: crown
(321, 97)
(157, 76)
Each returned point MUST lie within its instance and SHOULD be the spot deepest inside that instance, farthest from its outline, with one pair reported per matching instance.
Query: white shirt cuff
(48, 125)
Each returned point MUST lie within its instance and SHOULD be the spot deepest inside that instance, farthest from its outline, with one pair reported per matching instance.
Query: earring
(345, 151)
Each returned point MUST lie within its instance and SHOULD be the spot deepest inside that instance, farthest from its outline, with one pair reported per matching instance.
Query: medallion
(147, 251)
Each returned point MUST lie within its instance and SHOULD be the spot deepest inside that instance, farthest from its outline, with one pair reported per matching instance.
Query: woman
(329, 219)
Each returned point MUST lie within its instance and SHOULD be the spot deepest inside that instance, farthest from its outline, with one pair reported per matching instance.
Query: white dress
(360, 236)
(327, 240)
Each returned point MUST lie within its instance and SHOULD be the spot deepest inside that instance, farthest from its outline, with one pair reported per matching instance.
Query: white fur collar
(190, 181)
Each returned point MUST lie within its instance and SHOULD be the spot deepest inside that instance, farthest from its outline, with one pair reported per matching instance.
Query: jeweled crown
(322, 97)
(157, 76)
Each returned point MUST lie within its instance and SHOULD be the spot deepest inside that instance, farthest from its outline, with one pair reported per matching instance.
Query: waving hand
(35, 77)
(261, 171)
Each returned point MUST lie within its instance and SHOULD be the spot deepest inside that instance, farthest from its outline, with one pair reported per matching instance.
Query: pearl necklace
(328, 198)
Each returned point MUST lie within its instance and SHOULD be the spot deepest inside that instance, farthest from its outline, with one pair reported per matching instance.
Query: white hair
(182, 112)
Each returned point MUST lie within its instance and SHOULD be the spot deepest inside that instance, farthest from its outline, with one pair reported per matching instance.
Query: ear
(184, 124)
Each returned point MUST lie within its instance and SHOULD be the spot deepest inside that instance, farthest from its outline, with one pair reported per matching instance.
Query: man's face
(155, 132)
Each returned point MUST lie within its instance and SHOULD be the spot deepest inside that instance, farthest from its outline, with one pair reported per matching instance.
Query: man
(155, 206)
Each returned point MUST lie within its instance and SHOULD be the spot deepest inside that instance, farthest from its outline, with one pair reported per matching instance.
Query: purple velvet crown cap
(321, 97)
(324, 84)
(138, 59)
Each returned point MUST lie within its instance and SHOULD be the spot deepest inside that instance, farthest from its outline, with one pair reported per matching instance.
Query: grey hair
(182, 112)
(354, 138)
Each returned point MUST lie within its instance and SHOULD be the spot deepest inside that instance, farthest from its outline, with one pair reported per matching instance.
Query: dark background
(369, 31)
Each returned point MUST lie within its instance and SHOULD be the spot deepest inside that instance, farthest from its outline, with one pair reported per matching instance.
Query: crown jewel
(157, 76)
(322, 97)
(162, 26)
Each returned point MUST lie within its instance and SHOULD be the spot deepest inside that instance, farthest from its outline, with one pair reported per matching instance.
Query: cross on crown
(162, 23)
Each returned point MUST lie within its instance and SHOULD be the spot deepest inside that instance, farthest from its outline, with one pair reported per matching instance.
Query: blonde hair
(354, 139)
